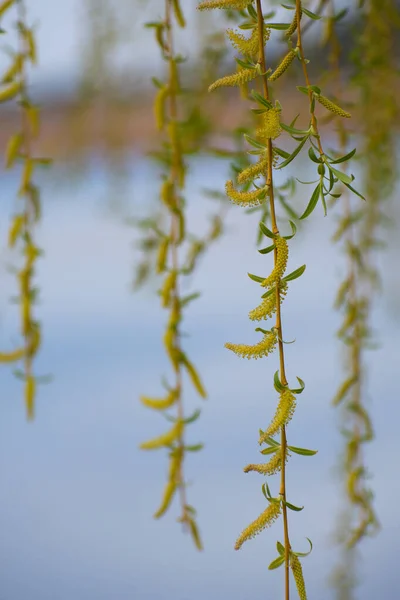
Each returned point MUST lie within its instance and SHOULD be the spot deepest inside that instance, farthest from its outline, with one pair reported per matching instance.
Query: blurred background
(76, 494)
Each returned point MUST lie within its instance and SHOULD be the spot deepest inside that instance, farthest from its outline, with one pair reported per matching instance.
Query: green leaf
(295, 274)
(267, 231)
(267, 250)
(254, 143)
(276, 563)
(280, 548)
(343, 177)
(277, 383)
(192, 418)
(294, 131)
(305, 553)
(301, 389)
(187, 299)
(313, 202)
(302, 451)
(252, 12)
(294, 230)
(354, 191)
(245, 64)
(280, 26)
(313, 156)
(269, 450)
(269, 440)
(271, 291)
(310, 14)
(293, 507)
(194, 448)
(344, 158)
(263, 101)
(302, 89)
(294, 153)
(256, 278)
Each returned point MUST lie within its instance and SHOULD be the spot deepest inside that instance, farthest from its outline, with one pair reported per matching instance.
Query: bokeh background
(76, 494)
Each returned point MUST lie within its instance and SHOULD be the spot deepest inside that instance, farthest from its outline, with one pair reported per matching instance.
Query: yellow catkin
(332, 107)
(236, 4)
(13, 70)
(237, 79)
(284, 412)
(270, 468)
(15, 229)
(244, 198)
(162, 255)
(5, 6)
(169, 492)
(247, 46)
(6, 357)
(165, 439)
(264, 520)
(172, 350)
(267, 308)
(30, 392)
(293, 26)
(194, 377)
(253, 171)
(263, 348)
(13, 147)
(169, 285)
(161, 403)
(9, 92)
(178, 13)
(159, 106)
(297, 571)
(283, 66)
(167, 194)
(271, 125)
(282, 255)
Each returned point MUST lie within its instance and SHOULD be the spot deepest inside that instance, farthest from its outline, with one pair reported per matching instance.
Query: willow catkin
(263, 348)
(265, 520)
(283, 65)
(328, 104)
(237, 79)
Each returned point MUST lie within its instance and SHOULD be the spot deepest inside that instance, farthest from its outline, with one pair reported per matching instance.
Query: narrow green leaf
(354, 191)
(263, 101)
(280, 548)
(344, 158)
(267, 231)
(276, 563)
(301, 389)
(343, 177)
(277, 383)
(256, 278)
(312, 204)
(305, 553)
(192, 418)
(194, 448)
(310, 14)
(294, 153)
(269, 450)
(293, 507)
(295, 274)
(267, 250)
(302, 451)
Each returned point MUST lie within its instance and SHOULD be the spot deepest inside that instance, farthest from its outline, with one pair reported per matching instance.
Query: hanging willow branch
(177, 254)
(260, 189)
(21, 234)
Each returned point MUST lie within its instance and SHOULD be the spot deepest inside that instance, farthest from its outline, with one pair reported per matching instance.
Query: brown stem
(306, 77)
(278, 323)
